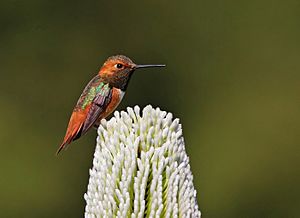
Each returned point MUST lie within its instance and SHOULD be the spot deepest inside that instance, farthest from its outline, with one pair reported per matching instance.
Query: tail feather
(62, 146)
(75, 127)
(65, 143)
(73, 133)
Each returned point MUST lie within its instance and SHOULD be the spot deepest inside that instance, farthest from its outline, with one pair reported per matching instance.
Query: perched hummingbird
(101, 96)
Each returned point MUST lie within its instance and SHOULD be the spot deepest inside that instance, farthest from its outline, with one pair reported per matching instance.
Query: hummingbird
(101, 96)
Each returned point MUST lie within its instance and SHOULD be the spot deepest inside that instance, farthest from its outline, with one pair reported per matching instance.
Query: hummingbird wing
(92, 102)
(98, 106)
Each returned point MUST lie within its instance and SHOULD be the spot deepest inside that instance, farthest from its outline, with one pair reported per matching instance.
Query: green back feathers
(95, 87)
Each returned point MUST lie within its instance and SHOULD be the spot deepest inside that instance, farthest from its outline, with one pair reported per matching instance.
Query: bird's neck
(118, 81)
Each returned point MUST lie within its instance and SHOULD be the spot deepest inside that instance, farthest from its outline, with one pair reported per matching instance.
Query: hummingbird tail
(59, 149)
(66, 142)
(63, 145)
(68, 139)
(74, 130)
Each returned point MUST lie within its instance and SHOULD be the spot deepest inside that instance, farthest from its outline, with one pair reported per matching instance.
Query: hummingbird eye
(119, 66)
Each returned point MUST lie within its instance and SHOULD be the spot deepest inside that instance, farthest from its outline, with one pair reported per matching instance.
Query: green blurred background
(232, 77)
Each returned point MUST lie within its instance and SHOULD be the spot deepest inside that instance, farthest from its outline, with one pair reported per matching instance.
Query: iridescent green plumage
(96, 86)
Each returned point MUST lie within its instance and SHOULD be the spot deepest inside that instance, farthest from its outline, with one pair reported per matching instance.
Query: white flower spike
(140, 168)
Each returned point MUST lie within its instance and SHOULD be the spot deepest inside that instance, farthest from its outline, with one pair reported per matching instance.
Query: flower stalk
(140, 168)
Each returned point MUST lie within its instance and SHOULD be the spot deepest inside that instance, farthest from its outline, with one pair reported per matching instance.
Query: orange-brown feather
(76, 122)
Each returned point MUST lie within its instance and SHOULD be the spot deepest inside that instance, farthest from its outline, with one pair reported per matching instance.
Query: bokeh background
(232, 77)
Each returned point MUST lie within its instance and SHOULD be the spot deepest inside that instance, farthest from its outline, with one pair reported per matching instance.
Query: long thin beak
(149, 65)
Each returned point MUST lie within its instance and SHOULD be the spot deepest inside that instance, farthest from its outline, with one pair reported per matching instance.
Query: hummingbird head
(118, 69)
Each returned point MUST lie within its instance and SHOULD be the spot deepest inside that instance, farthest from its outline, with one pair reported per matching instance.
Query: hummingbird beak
(148, 65)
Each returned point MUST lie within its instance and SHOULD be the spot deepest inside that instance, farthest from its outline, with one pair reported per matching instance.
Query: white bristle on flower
(140, 168)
